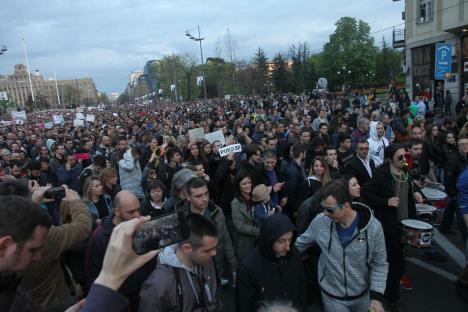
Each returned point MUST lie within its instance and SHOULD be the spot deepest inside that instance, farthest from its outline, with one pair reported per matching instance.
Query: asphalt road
(433, 282)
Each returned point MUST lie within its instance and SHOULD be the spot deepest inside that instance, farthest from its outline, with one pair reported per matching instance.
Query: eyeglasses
(331, 209)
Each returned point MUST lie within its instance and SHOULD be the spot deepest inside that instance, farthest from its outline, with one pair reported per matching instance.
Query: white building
(428, 22)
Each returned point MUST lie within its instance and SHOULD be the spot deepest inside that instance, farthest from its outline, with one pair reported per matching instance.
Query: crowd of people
(307, 211)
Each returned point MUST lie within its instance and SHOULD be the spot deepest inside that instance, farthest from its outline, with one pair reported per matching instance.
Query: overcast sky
(106, 39)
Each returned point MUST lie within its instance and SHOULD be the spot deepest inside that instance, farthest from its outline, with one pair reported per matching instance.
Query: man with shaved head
(126, 207)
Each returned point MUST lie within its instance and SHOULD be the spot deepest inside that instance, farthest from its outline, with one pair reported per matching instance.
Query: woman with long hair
(194, 153)
(99, 204)
(241, 206)
(319, 175)
(109, 181)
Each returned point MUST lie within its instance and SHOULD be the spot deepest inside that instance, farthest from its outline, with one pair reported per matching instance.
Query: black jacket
(376, 194)
(454, 166)
(14, 298)
(262, 276)
(356, 168)
(297, 188)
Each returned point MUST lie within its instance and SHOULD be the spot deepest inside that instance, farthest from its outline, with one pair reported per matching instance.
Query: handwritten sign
(48, 125)
(19, 115)
(216, 136)
(90, 118)
(58, 119)
(197, 133)
(234, 148)
(78, 122)
(80, 116)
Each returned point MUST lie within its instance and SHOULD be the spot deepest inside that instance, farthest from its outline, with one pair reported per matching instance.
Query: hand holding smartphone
(161, 232)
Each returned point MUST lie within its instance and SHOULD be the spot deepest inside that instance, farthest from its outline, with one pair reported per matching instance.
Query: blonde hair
(326, 173)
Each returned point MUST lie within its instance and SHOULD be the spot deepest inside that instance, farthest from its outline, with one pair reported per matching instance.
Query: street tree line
(350, 57)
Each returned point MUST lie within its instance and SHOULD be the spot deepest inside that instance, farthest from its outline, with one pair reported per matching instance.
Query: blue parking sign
(443, 60)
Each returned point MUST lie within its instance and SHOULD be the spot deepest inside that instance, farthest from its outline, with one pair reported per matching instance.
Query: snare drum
(416, 233)
(425, 212)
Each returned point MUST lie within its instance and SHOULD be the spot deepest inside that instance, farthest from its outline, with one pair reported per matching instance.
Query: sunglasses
(331, 209)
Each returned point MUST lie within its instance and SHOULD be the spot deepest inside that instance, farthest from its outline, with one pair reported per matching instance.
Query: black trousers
(396, 262)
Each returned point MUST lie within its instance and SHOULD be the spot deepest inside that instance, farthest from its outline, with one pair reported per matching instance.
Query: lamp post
(3, 49)
(199, 39)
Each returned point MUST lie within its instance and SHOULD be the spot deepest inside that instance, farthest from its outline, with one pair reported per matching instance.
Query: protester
(185, 276)
(273, 269)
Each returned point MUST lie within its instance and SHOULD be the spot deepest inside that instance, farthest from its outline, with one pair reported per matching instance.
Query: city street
(433, 282)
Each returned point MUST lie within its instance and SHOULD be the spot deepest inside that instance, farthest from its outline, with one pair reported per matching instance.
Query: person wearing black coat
(355, 166)
(273, 270)
(296, 186)
(391, 195)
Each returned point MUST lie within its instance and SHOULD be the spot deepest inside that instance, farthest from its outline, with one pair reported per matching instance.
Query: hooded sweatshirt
(198, 286)
(263, 276)
(131, 175)
(349, 271)
(376, 144)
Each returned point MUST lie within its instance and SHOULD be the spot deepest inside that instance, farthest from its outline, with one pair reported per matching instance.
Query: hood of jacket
(373, 131)
(365, 215)
(168, 257)
(128, 155)
(272, 228)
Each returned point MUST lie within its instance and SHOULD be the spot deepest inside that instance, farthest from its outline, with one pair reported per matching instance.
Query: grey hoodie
(359, 266)
(159, 291)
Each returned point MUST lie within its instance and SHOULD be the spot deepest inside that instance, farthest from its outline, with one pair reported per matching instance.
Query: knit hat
(49, 144)
(260, 193)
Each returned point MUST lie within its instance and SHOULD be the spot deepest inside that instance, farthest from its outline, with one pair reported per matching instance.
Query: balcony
(399, 38)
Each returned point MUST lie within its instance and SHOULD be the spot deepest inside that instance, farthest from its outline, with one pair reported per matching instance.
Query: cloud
(106, 39)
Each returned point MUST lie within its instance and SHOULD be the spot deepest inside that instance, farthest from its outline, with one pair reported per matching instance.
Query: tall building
(428, 22)
(71, 92)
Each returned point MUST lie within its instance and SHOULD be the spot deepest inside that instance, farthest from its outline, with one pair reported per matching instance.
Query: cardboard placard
(19, 115)
(216, 136)
(90, 118)
(58, 119)
(48, 125)
(80, 116)
(197, 133)
(78, 123)
(234, 148)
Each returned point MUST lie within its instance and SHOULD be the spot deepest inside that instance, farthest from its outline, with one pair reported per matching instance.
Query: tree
(280, 73)
(260, 72)
(301, 70)
(123, 99)
(103, 98)
(188, 65)
(231, 51)
(350, 52)
(388, 64)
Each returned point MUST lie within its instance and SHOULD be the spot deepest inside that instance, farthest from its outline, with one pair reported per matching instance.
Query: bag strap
(179, 293)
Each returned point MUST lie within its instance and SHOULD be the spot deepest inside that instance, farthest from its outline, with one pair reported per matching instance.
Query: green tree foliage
(350, 46)
(280, 73)
(103, 98)
(123, 99)
(388, 64)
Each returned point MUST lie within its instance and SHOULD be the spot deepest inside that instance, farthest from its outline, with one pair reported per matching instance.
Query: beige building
(73, 91)
(428, 22)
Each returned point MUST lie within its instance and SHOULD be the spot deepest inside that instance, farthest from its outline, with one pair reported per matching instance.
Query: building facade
(71, 92)
(428, 22)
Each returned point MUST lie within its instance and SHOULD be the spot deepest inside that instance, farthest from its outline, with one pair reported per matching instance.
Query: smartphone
(160, 232)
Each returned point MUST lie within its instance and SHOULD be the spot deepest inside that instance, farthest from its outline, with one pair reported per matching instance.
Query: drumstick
(397, 191)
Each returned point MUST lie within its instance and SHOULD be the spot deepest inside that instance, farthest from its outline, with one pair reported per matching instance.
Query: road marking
(450, 248)
(433, 269)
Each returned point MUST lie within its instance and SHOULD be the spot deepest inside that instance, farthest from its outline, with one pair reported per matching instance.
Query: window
(425, 11)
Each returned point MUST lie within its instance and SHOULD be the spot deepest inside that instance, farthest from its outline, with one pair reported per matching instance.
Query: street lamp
(3, 49)
(199, 39)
